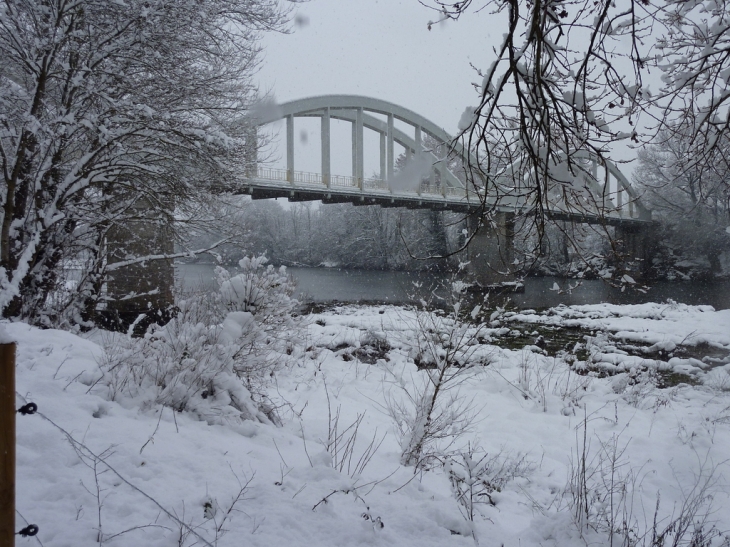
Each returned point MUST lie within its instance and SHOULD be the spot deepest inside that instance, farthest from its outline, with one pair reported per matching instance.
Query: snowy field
(544, 450)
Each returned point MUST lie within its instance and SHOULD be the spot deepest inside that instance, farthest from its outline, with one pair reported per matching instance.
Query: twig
(405, 484)
(73, 380)
(152, 437)
(136, 528)
(325, 499)
(304, 440)
(279, 452)
(236, 499)
(299, 491)
(59, 367)
(86, 450)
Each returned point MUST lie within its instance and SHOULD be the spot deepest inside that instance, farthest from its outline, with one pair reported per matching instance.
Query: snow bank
(156, 469)
(669, 323)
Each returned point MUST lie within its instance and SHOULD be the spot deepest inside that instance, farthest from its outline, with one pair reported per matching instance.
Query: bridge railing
(377, 184)
(270, 173)
(610, 208)
(302, 177)
(455, 191)
(431, 189)
(342, 181)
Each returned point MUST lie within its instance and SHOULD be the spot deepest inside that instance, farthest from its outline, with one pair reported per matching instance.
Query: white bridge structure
(599, 193)
(592, 192)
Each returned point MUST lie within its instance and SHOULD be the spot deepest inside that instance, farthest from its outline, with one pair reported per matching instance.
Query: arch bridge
(598, 193)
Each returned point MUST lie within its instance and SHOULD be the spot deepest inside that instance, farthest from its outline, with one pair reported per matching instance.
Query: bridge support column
(358, 156)
(418, 151)
(637, 244)
(383, 156)
(354, 150)
(326, 163)
(290, 149)
(152, 280)
(391, 148)
(250, 155)
(491, 251)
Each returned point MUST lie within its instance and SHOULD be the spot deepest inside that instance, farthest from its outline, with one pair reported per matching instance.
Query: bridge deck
(302, 186)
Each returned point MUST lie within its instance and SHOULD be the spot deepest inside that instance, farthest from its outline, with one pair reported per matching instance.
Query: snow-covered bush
(429, 411)
(265, 293)
(259, 289)
(603, 494)
(215, 356)
(476, 476)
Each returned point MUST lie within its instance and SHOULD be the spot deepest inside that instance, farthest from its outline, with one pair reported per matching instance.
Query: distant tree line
(690, 200)
(342, 235)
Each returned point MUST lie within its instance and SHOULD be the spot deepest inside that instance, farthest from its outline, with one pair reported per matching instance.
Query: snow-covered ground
(94, 470)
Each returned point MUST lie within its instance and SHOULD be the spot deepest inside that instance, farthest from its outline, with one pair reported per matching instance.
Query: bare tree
(691, 199)
(112, 111)
(571, 77)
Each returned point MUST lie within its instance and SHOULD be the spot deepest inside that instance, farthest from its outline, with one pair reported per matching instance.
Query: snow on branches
(575, 76)
(104, 105)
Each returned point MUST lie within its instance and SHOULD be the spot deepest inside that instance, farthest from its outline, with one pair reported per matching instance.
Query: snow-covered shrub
(604, 496)
(265, 293)
(535, 377)
(215, 356)
(476, 477)
(599, 487)
(429, 411)
(259, 289)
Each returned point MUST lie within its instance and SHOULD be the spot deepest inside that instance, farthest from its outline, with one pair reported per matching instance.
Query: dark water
(333, 284)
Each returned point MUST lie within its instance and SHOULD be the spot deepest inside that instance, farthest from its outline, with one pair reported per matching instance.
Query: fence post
(7, 445)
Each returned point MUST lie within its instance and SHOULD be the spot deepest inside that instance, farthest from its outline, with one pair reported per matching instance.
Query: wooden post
(7, 445)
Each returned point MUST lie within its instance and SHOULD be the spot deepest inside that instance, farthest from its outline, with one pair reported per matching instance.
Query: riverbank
(559, 453)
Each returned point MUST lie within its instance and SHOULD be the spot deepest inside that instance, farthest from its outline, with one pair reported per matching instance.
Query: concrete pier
(637, 246)
(491, 252)
(143, 287)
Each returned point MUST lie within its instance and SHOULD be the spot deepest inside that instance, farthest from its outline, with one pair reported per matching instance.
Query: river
(323, 285)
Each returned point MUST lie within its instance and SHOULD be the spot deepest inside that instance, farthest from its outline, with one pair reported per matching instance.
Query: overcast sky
(378, 48)
(382, 49)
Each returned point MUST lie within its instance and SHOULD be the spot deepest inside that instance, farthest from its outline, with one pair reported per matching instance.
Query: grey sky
(383, 49)
(379, 48)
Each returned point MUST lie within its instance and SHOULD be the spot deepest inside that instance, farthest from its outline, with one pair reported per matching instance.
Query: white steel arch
(354, 108)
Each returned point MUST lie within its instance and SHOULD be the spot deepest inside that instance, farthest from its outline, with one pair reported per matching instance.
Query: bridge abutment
(142, 287)
(491, 251)
(637, 246)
